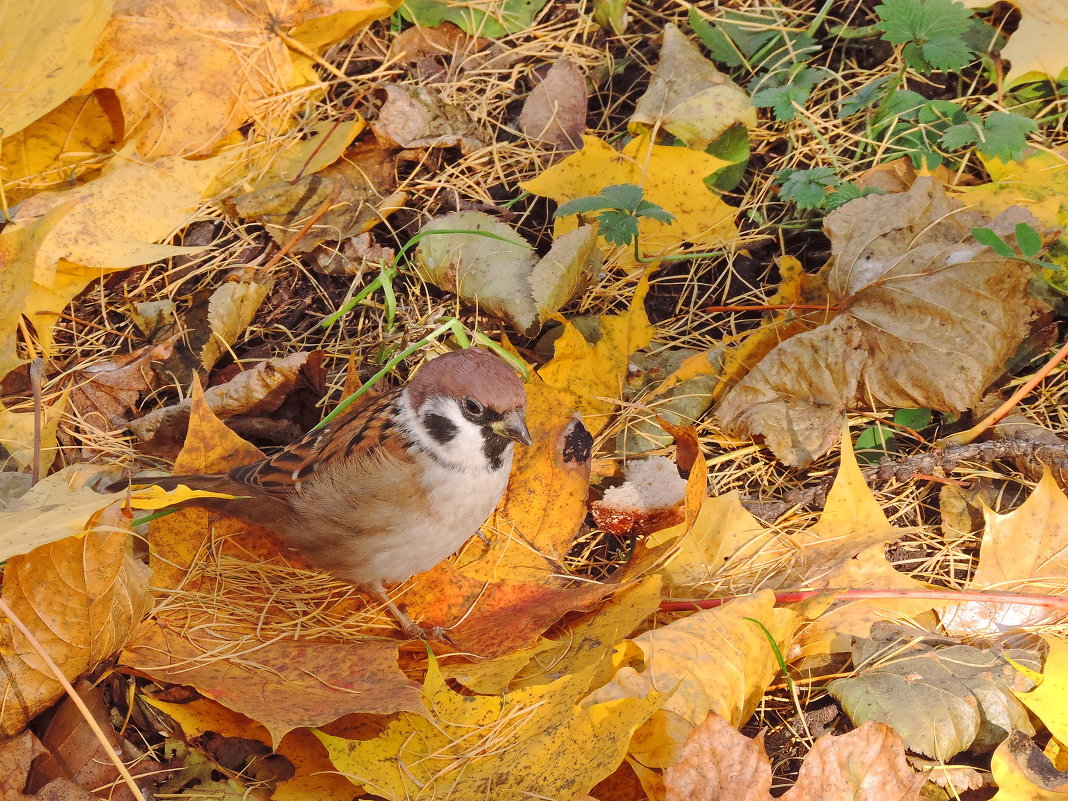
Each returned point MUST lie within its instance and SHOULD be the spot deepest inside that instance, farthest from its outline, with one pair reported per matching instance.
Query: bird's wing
(355, 436)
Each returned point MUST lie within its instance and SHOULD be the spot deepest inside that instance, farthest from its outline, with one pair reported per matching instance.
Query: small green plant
(1028, 246)
(880, 438)
(819, 188)
(621, 207)
(930, 32)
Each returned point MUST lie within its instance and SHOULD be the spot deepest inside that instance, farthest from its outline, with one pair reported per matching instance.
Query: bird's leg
(408, 626)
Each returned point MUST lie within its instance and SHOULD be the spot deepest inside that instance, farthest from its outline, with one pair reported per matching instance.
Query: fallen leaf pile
(222, 219)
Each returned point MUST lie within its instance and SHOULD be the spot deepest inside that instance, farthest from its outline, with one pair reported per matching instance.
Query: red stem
(795, 596)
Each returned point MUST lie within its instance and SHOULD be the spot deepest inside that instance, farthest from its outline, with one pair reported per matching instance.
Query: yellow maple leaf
(1036, 49)
(715, 660)
(553, 748)
(1049, 700)
(672, 177)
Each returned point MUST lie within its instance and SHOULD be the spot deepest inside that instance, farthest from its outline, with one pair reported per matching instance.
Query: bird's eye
(471, 407)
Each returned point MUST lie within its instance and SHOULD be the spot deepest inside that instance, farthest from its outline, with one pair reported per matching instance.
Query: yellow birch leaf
(712, 661)
(46, 53)
(672, 177)
(532, 742)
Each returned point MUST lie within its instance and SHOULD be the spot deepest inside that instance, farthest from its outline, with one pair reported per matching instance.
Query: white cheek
(464, 451)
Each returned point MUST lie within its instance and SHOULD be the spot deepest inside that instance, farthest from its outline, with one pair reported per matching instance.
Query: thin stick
(292, 243)
(795, 596)
(77, 699)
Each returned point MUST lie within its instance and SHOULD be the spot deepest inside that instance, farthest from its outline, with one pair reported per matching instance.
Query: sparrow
(392, 486)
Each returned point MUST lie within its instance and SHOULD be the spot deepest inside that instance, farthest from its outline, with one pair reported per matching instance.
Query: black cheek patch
(493, 445)
(441, 428)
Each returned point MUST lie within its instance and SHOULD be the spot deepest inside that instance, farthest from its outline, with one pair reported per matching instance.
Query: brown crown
(469, 373)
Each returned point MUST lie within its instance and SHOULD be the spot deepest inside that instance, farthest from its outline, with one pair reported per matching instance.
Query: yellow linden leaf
(712, 661)
(1039, 184)
(552, 747)
(1049, 700)
(672, 177)
(46, 52)
(1036, 49)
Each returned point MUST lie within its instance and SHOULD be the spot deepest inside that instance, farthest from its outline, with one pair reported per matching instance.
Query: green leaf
(984, 236)
(958, 136)
(931, 31)
(623, 196)
(1005, 135)
(719, 45)
(505, 17)
(916, 419)
(653, 211)
(865, 97)
(732, 145)
(843, 193)
(618, 227)
(873, 438)
(582, 205)
(806, 188)
(782, 99)
(903, 104)
(1029, 240)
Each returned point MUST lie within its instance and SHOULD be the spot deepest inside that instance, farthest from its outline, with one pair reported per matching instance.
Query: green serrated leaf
(1005, 135)
(653, 211)
(931, 31)
(843, 193)
(719, 45)
(582, 205)
(984, 236)
(623, 196)
(958, 136)
(617, 227)
(1029, 240)
(781, 100)
(492, 20)
(806, 188)
(865, 97)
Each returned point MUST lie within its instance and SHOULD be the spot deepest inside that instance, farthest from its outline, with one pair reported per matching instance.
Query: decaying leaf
(503, 276)
(689, 97)
(104, 393)
(358, 190)
(921, 302)
(671, 177)
(941, 698)
(719, 763)
(1023, 773)
(555, 110)
(415, 117)
(1047, 700)
(81, 597)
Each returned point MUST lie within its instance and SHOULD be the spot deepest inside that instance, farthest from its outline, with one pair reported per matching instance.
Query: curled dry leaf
(555, 111)
(259, 389)
(102, 394)
(689, 97)
(416, 117)
(81, 597)
(504, 277)
(928, 319)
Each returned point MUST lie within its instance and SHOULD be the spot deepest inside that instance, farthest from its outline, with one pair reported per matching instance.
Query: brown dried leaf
(283, 684)
(555, 111)
(257, 390)
(81, 597)
(102, 394)
(929, 318)
(415, 117)
(719, 763)
(867, 764)
(358, 188)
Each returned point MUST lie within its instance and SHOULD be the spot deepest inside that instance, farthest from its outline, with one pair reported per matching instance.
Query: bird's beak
(513, 426)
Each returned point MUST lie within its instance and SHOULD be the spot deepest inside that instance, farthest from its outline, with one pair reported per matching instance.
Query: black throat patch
(441, 428)
(493, 447)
